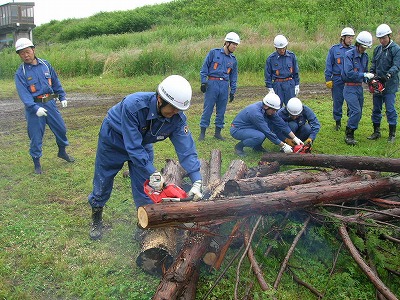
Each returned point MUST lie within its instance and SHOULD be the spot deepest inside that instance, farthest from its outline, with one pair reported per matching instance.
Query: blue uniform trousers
(285, 90)
(302, 132)
(36, 127)
(338, 99)
(354, 96)
(250, 137)
(215, 95)
(378, 101)
(110, 158)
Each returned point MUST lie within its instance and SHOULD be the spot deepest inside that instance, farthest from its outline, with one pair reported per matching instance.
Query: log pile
(242, 193)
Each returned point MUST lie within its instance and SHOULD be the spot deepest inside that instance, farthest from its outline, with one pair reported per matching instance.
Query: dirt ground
(12, 110)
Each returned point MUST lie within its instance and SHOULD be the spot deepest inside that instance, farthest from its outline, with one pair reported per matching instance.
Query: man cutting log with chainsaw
(302, 121)
(127, 135)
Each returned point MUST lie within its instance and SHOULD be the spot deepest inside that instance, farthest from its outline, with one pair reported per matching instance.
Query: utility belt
(215, 78)
(283, 79)
(353, 83)
(45, 98)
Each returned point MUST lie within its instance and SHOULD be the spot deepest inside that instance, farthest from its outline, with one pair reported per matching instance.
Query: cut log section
(280, 181)
(336, 161)
(166, 214)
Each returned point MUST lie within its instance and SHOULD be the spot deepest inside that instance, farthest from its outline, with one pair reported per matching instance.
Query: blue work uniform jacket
(355, 65)
(253, 116)
(218, 64)
(334, 62)
(137, 120)
(281, 67)
(387, 60)
(306, 116)
(35, 80)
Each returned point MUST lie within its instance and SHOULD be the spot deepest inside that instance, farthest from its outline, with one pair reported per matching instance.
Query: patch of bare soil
(12, 110)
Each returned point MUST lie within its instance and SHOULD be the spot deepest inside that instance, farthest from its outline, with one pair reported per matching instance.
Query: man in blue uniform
(218, 73)
(259, 121)
(281, 71)
(127, 135)
(355, 72)
(38, 87)
(385, 65)
(333, 72)
(302, 121)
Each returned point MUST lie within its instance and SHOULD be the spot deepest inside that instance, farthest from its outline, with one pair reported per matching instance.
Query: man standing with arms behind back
(385, 65)
(219, 71)
(333, 70)
(38, 87)
(281, 72)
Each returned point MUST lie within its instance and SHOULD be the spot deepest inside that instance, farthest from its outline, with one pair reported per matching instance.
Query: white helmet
(365, 39)
(347, 31)
(23, 43)
(294, 106)
(383, 30)
(176, 90)
(272, 100)
(280, 41)
(232, 37)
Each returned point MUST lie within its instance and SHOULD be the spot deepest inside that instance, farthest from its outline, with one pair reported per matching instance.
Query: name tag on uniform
(160, 137)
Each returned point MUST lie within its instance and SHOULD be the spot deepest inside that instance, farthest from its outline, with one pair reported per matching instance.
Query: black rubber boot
(97, 225)
(218, 135)
(36, 163)
(260, 148)
(202, 133)
(377, 132)
(392, 133)
(349, 139)
(338, 125)
(63, 154)
(239, 149)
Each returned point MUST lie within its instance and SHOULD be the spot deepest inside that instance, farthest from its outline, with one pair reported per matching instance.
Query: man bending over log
(127, 135)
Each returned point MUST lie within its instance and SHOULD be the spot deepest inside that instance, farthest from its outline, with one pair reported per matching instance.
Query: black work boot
(377, 132)
(392, 133)
(63, 154)
(202, 133)
(239, 149)
(260, 148)
(36, 163)
(338, 125)
(97, 225)
(218, 135)
(349, 139)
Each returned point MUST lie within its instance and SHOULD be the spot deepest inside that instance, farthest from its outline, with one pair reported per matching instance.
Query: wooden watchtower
(16, 21)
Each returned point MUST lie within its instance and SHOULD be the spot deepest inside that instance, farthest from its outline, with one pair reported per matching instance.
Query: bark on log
(178, 276)
(282, 180)
(380, 286)
(263, 169)
(165, 214)
(336, 161)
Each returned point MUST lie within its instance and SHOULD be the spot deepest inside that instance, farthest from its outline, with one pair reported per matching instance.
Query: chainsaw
(305, 148)
(375, 85)
(169, 193)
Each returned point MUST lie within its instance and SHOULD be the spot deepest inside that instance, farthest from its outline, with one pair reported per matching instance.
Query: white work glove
(369, 75)
(41, 112)
(286, 148)
(297, 141)
(271, 90)
(156, 181)
(64, 103)
(296, 89)
(195, 191)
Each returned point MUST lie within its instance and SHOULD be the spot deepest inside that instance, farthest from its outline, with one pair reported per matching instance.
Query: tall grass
(177, 35)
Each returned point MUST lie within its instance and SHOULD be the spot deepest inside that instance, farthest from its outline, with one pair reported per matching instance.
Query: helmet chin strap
(227, 47)
(161, 105)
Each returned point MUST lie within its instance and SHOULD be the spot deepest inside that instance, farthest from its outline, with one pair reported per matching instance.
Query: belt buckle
(221, 79)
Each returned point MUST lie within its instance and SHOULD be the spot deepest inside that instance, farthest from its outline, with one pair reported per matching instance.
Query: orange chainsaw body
(169, 191)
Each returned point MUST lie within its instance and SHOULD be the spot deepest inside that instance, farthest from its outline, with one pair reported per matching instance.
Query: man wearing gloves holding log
(127, 135)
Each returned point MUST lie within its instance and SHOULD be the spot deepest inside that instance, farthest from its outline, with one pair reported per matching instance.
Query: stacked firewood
(243, 193)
